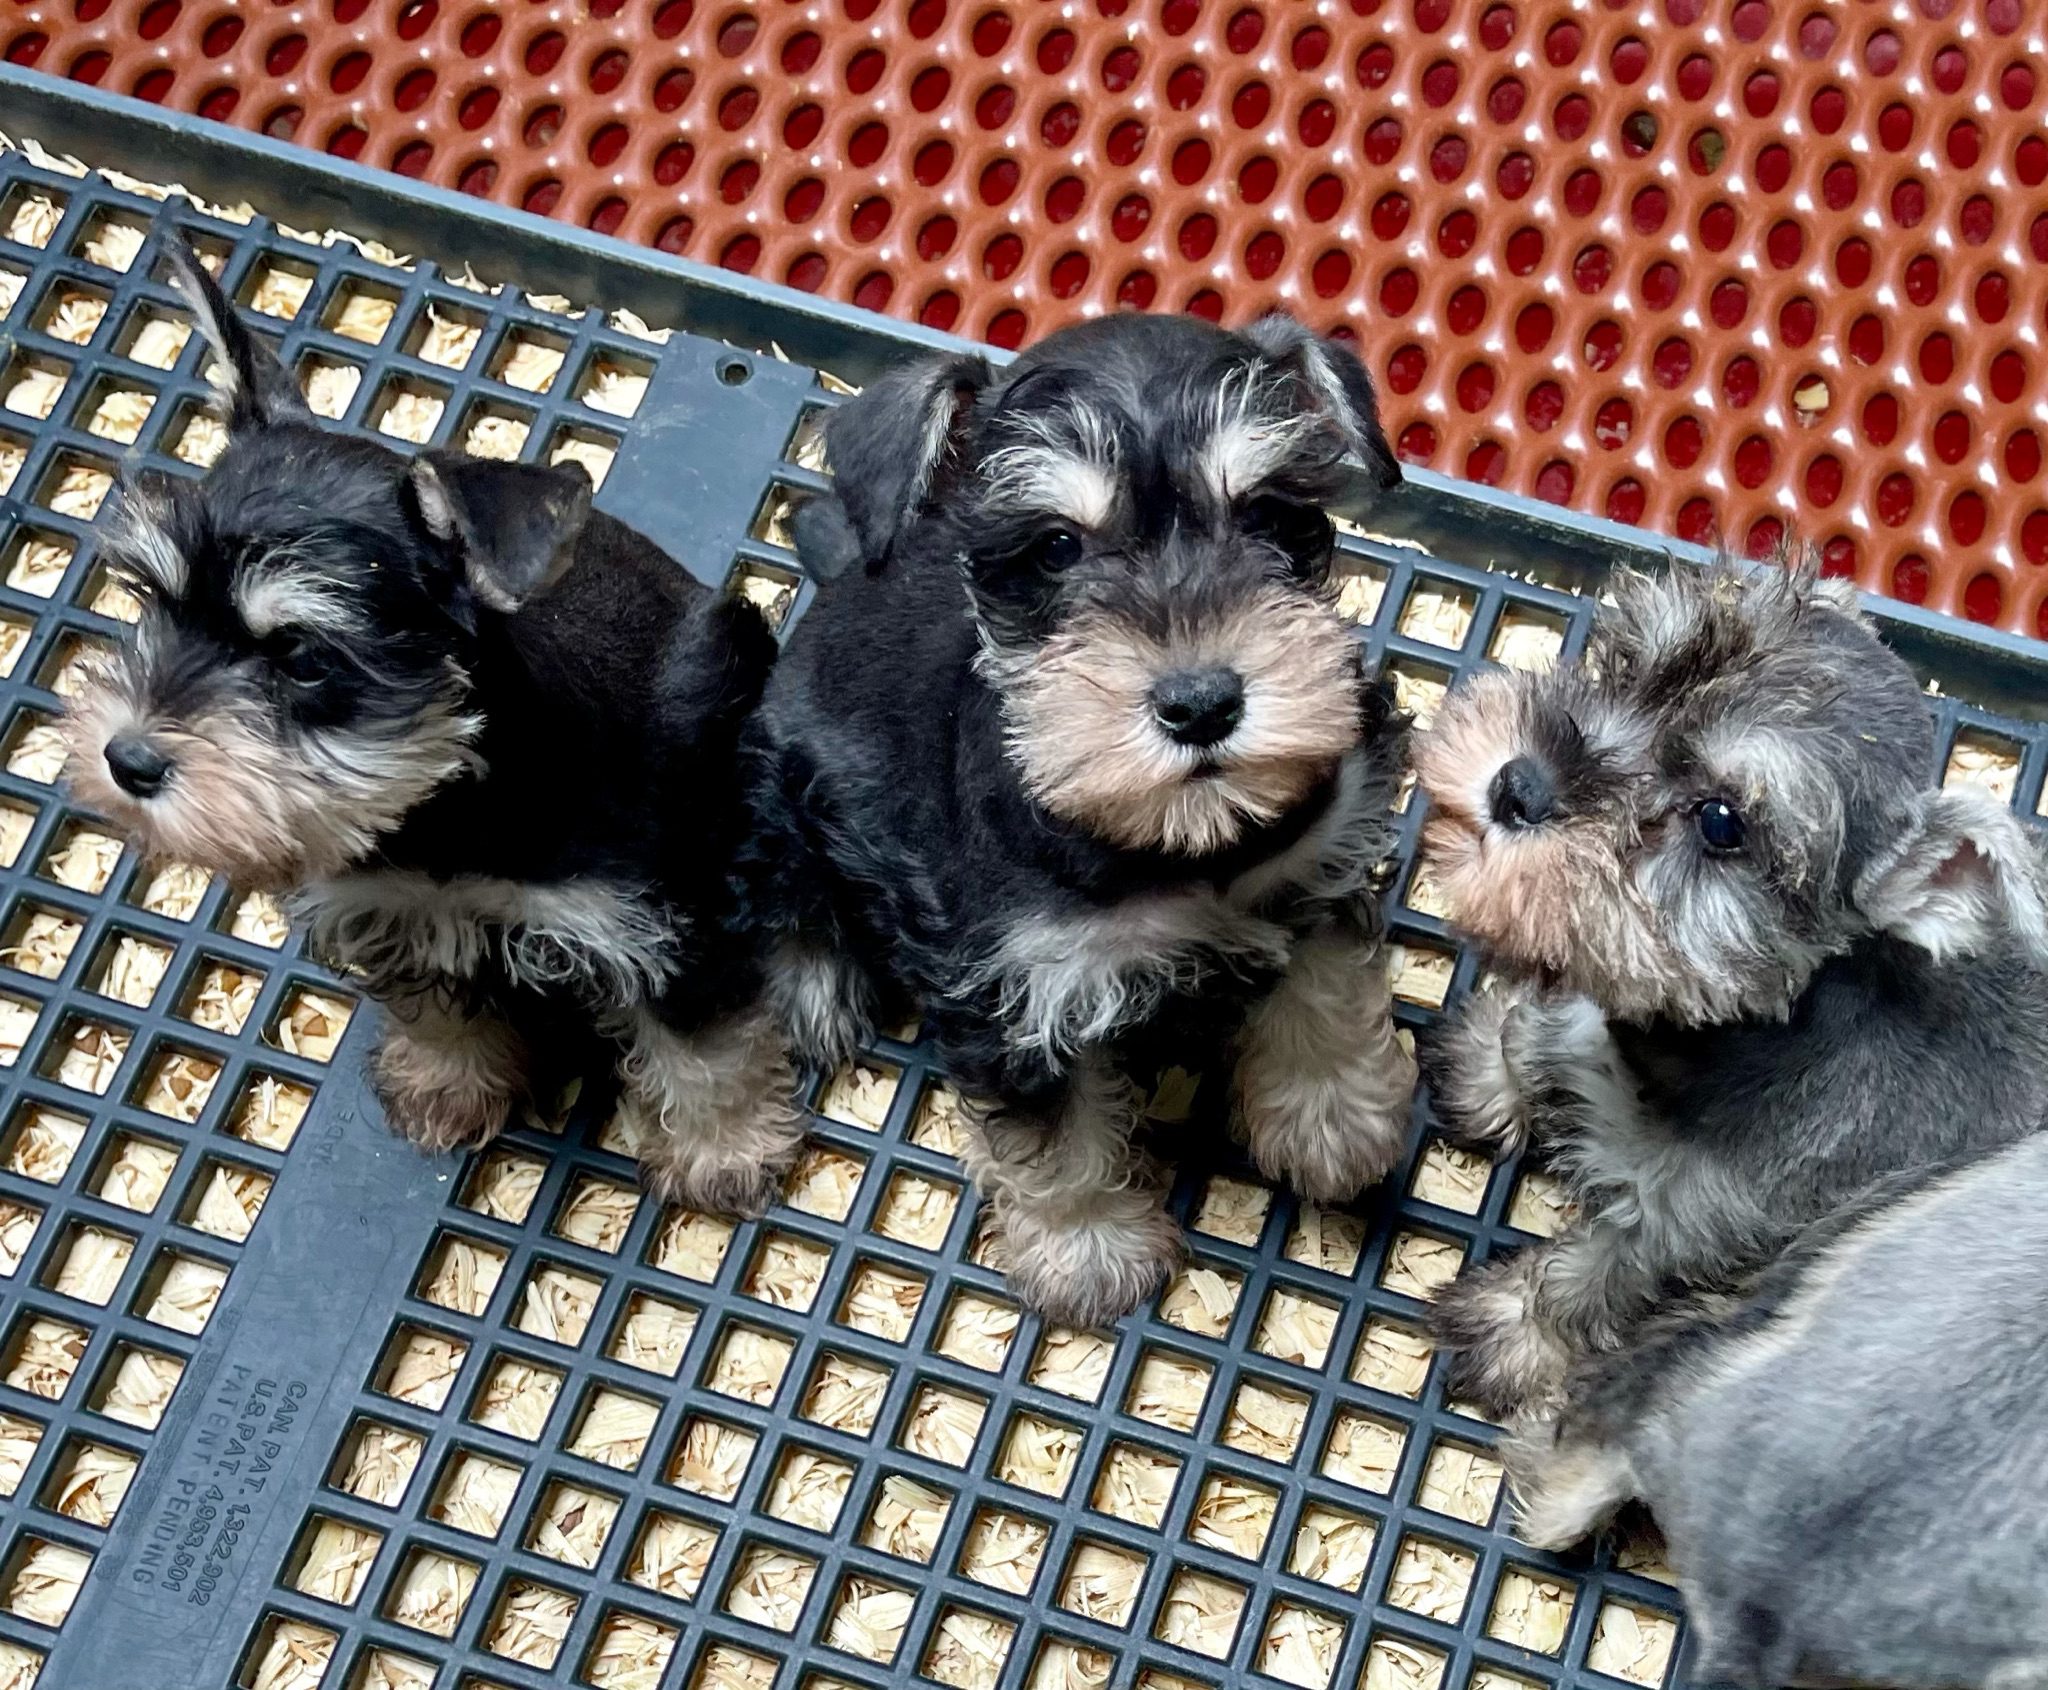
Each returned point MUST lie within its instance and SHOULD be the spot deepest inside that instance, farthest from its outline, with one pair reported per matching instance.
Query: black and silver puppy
(1847, 1460)
(1754, 959)
(1078, 746)
(488, 735)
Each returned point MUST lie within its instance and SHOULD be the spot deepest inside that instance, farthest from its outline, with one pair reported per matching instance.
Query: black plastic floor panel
(284, 1405)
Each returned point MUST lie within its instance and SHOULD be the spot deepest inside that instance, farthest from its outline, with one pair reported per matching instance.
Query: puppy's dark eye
(1722, 829)
(1304, 533)
(300, 661)
(1058, 548)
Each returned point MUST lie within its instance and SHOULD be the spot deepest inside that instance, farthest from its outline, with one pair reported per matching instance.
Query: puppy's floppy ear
(254, 385)
(826, 544)
(1336, 384)
(1962, 872)
(512, 528)
(889, 448)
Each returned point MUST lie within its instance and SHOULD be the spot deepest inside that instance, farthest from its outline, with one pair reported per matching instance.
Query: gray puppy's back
(1857, 1488)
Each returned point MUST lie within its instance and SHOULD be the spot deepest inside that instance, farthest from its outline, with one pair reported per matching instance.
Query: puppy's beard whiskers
(1079, 722)
(264, 812)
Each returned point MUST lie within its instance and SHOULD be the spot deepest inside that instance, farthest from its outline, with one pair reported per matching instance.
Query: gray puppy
(1850, 1463)
(1753, 960)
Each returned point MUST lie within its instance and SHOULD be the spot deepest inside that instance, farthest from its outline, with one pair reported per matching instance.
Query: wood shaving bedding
(493, 436)
(868, 1620)
(364, 316)
(557, 1305)
(1530, 1611)
(1632, 1643)
(1301, 1646)
(1360, 591)
(202, 440)
(92, 1057)
(431, 1593)
(1392, 1358)
(45, 1356)
(337, 1562)
(846, 1394)
(294, 1656)
(312, 1025)
(47, 1582)
(18, 1224)
(1438, 615)
(270, 1112)
(422, 1367)
(1070, 1666)
(631, 1653)
(1039, 1455)
(1529, 643)
(260, 920)
(380, 1464)
(159, 341)
(530, 364)
(572, 1525)
(12, 457)
(1452, 1178)
(598, 1214)
(187, 1294)
(16, 820)
(692, 1245)
(672, 1556)
(1200, 1613)
(19, 1441)
(1075, 1364)
(907, 1518)
(1168, 1390)
(503, 1184)
(859, 1095)
(11, 284)
(942, 1425)
(141, 1387)
(653, 1335)
(93, 1482)
(35, 391)
(39, 567)
(450, 341)
(915, 1210)
(968, 1650)
(517, 1398)
(17, 1020)
(76, 318)
(613, 388)
(940, 1123)
(1420, 1266)
(1233, 1515)
(1265, 1421)
(769, 1586)
(462, 1274)
(43, 944)
(1135, 1484)
(1984, 761)
(35, 220)
(727, 1668)
(823, 1182)
(787, 1271)
(475, 1494)
(1421, 975)
(1004, 1551)
(711, 1459)
(1431, 1579)
(412, 414)
(382, 1670)
(614, 1429)
(114, 244)
(280, 292)
(1461, 1482)
(91, 1264)
(1332, 1548)
(1201, 1299)
(1363, 1451)
(750, 1365)
(1296, 1329)
(330, 387)
(882, 1302)
(223, 998)
(1233, 1209)
(977, 1331)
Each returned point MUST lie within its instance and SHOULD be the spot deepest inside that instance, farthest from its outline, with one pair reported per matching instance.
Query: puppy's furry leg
(447, 1078)
(1083, 1214)
(824, 1000)
(1324, 1088)
(1477, 1094)
(713, 1110)
(1565, 1488)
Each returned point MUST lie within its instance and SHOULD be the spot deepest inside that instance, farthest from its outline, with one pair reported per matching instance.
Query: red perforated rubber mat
(1723, 268)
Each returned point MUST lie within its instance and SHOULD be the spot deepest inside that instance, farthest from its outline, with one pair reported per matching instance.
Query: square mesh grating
(283, 1405)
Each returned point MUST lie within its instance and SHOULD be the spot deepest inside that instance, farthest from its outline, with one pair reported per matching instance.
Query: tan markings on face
(1081, 728)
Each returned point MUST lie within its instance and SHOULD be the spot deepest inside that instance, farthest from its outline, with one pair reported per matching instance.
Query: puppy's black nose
(1199, 706)
(139, 769)
(1521, 795)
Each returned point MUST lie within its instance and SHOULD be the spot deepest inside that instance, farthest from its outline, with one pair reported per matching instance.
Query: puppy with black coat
(1076, 748)
(1751, 959)
(487, 734)
(1848, 1460)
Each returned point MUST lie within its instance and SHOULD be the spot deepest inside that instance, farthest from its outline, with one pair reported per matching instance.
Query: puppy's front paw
(1476, 1089)
(442, 1098)
(1501, 1354)
(741, 1177)
(1088, 1273)
(1326, 1141)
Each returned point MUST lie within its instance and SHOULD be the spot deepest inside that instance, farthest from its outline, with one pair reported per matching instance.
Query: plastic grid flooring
(1716, 267)
(819, 1450)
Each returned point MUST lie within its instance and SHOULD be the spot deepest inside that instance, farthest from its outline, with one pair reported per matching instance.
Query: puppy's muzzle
(1522, 795)
(1198, 707)
(138, 767)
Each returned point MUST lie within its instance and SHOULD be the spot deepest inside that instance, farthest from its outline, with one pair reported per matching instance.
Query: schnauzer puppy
(1076, 748)
(489, 734)
(1754, 962)
(1846, 1460)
